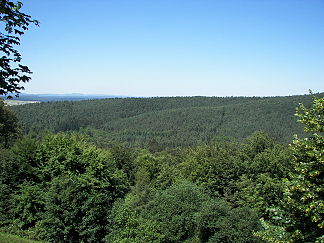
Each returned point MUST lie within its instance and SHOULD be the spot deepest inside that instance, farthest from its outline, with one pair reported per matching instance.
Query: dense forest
(167, 122)
(164, 170)
(57, 185)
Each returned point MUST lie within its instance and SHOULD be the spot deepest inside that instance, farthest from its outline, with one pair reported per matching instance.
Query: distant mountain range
(61, 97)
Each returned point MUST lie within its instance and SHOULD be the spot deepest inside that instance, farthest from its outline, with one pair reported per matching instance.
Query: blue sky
(175, 47)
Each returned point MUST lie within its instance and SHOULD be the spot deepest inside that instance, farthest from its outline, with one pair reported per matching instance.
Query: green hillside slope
(167, 122)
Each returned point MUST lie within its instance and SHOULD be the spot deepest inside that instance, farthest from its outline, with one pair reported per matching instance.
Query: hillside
(169, 121)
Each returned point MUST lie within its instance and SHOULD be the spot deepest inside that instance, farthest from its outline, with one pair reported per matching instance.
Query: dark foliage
(9, 128)
(12, 73)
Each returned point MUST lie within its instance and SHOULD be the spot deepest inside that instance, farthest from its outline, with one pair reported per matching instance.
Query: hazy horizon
(148, 96)
(175, 48)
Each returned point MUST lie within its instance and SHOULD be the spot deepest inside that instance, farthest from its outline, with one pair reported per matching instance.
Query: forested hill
(169, 121)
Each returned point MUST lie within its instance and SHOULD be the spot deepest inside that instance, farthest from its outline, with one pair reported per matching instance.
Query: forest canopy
(60, 187)
(165, 170)
(167, 122)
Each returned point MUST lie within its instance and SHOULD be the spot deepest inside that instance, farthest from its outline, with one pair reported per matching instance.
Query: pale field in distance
(19, 102)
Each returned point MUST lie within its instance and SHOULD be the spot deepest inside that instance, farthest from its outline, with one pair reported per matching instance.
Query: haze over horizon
(175, 48)
(148, 96)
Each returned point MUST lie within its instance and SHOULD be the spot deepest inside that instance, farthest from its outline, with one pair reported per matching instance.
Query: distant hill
(59, 97)
(169, 121)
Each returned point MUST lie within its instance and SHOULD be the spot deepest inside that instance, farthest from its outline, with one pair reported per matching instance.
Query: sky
(175, 47)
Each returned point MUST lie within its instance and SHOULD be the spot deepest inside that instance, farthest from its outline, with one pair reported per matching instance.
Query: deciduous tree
(301, 219)
(305, 189)
(12, 73)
